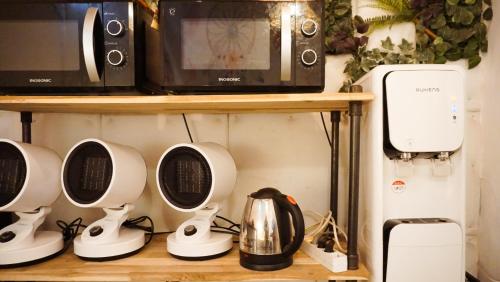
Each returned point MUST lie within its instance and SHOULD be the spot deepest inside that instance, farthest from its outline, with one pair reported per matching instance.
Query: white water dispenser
(412, 189)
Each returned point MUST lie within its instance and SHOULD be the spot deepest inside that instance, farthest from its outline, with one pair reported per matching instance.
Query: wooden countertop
(154, 264)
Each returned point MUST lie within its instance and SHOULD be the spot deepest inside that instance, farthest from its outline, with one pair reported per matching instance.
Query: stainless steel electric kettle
(266, 241)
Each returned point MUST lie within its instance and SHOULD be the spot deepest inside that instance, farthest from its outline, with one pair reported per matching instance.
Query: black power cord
(134, 223)
(326, 130)
(233, 224)
(187, 128)
(70, 231)
(233, 229)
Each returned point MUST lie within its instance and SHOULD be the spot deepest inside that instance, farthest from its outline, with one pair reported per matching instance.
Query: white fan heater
(111, 176)
(196, 178)
(28, 186)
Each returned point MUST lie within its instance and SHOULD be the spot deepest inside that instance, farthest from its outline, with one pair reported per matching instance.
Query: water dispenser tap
(441, 165)
(443, 156)
(404, 165)
(405, 156)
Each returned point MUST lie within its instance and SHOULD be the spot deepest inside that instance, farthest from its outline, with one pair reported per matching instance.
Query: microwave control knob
(309, 27)
(114, 27)
(309, 57)
(115, 58)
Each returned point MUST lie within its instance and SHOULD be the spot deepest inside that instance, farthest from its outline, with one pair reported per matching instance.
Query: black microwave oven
(67, 45)
(237, 45)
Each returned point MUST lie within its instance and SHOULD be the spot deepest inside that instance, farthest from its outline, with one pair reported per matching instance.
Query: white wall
(489, 230)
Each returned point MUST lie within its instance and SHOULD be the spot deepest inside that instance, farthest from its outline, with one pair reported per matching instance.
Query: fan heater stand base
(46, 244)
(129, 242)
(217, 245)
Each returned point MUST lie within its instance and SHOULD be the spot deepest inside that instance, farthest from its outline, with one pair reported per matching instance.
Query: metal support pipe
(355, 112)
(334, 174)
(26, 120)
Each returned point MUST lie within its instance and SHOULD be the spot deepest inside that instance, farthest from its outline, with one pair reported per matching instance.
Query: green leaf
(387, 44)
(463, 16)
(422, 39)
(391, 59)
(368, 64)
(484, 45)
(454, 54)
(471, 49)
(438, 40)
(488, 14)
(470, 2)
(438, 22)
(442, 48)
(376, 55)
(393, 6)
(425, 56)
(405, 47)
(474, 61)
(387, 20)
(440, 60)
(452, 2)
(456, 35)
(341, 10)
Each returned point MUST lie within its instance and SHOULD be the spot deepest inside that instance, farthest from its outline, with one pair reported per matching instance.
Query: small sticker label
(398, 186)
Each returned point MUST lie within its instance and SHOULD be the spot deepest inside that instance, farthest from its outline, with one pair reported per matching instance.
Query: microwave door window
(39, 45)
(226, 44)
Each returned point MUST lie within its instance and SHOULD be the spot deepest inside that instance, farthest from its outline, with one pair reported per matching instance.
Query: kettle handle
(290, 205)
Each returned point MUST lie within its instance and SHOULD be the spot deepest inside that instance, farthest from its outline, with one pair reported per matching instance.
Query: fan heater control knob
(7, 236)
(190, 230)
(95, 231)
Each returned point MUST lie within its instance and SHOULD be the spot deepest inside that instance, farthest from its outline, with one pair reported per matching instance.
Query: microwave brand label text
(40, 80)
(229, 79)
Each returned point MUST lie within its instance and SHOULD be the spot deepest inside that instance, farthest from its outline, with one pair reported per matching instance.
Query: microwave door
(286, 44)
(42, 45)
(92, 34)
(225, 45)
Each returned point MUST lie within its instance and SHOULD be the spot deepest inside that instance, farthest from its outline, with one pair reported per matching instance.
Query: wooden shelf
(316, 102)
(154, 264)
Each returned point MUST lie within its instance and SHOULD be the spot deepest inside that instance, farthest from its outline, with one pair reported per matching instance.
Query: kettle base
(264, 262)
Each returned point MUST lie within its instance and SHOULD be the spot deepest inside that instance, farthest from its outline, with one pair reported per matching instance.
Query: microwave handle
(88, 43)
(286, 44)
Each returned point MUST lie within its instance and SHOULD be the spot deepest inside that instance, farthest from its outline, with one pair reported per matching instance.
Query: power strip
(335, 261)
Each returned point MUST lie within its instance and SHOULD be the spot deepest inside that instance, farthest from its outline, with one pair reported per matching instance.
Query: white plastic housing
(41, 186)
(128, 176)
(433, 251)
(222, 167)
(425, 110)
(387, 194)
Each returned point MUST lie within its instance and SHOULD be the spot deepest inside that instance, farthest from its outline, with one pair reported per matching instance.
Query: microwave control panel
(309, 38)
(118, 24)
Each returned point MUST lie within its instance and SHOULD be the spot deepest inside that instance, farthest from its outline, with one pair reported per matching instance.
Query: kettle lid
(265, 193)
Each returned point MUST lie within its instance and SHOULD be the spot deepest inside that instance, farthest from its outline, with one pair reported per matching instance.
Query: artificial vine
(446, 30)
(341, 28)
(365, 59)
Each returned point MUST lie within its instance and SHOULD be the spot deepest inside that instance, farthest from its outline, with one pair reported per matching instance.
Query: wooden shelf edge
(249, 103)
(154, 264)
